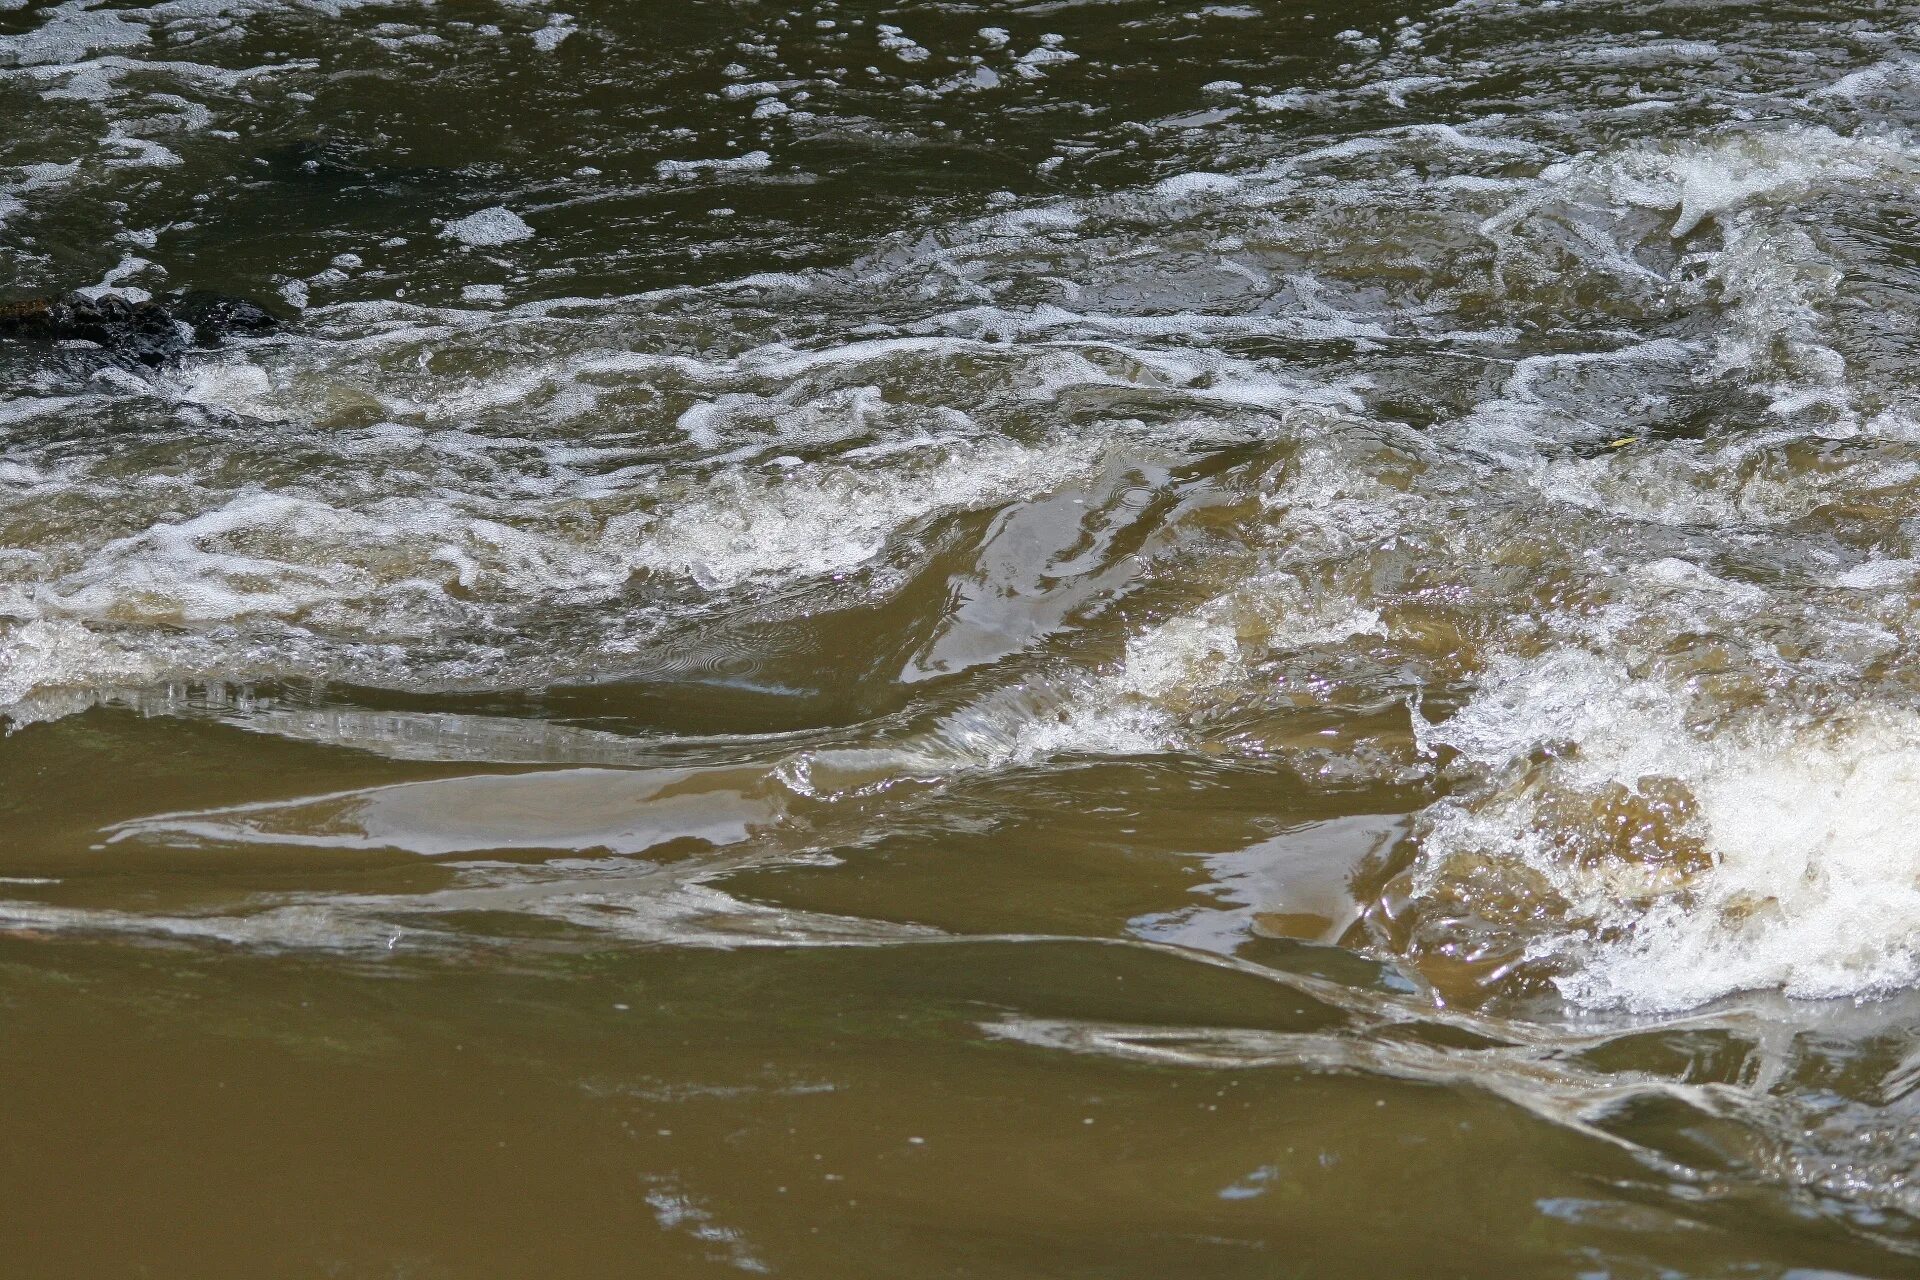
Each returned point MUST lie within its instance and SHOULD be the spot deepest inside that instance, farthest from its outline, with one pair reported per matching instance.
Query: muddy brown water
(964, 639)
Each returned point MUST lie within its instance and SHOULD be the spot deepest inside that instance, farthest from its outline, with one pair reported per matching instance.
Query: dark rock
(147, 333)
(215, 317)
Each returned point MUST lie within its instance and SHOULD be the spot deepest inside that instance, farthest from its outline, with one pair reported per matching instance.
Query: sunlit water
(965, 640)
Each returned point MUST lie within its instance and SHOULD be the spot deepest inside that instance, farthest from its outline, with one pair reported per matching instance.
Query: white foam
(1775, 282)
(1874, 574)
(751, 162)
(50, 668)
(1810, 835)
(70, 33)
(1145, 703)
(559, 27)
(810, 521)
(391, 572)
(1719, 175)
(1195, 184)
(1653, 52)
(495, 226)
(901, 45)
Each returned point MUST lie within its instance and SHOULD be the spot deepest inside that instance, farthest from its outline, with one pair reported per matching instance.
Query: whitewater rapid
(1558, 465)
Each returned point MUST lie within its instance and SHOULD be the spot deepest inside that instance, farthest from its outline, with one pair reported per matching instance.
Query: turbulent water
(1073, 638)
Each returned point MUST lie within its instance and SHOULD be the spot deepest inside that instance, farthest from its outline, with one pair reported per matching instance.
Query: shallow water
(965, 639)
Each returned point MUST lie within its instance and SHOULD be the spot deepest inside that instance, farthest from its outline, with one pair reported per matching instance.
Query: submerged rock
(148, 332)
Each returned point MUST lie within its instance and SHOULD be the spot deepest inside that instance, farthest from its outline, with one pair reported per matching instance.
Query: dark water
(1054, 639)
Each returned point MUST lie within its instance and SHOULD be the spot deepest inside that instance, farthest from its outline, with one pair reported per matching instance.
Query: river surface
(965, 639)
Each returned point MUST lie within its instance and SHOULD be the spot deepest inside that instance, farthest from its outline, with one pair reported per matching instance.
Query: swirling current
(964, 638)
